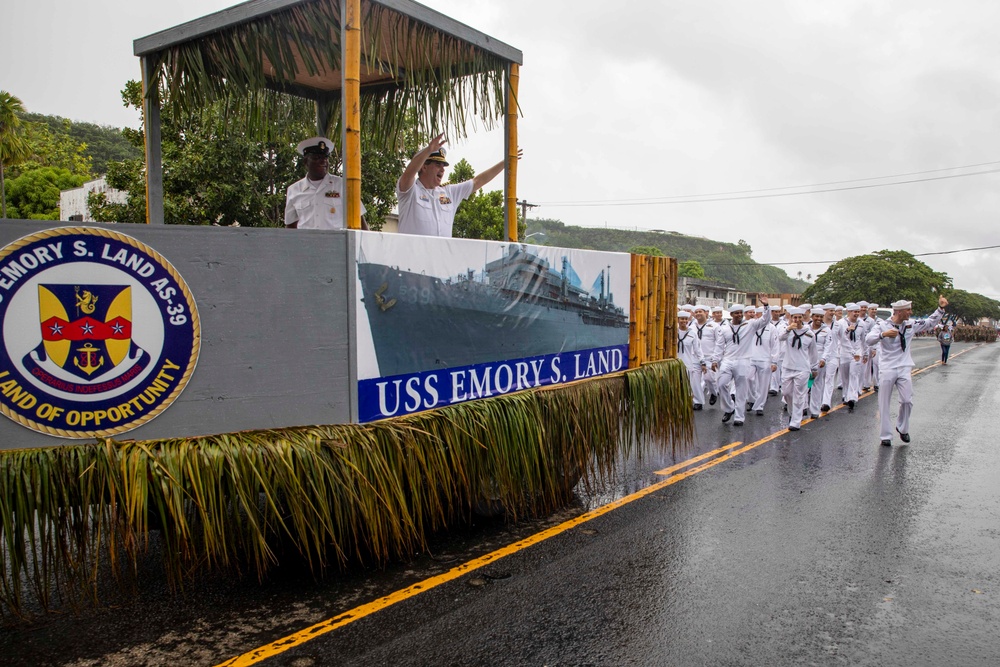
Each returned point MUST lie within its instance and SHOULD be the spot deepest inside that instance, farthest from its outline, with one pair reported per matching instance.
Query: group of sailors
(804, 353)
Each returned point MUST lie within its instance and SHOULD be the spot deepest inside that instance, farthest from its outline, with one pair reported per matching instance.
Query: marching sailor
(824, 345)
(873, 351)
(705, 329)
(894, 337)
(799, 365)
(763, 362)
(689, 351)
(831, 356)
(731, 358)
(779, 323)
(850, 345)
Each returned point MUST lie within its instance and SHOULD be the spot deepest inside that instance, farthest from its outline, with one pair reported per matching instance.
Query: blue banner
(379, 398)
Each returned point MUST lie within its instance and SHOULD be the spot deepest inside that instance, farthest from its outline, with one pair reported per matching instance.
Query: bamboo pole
(672, 305)
(644, 309)
(351, 39)
(511, 189)
(633, 312)
(661, 310)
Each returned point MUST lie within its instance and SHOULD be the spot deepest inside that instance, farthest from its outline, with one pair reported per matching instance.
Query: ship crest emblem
(445, 200)
(98, 332)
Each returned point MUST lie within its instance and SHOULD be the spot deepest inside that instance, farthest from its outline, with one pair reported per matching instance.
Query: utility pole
(524, 209)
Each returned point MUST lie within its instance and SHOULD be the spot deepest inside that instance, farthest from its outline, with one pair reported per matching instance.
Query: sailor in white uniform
(733, 343)
(689, 351)
(799, 364)
(763, 361)
(850, 344)
(824, 341)
(894, 338)
(831, 356)
(704, 329)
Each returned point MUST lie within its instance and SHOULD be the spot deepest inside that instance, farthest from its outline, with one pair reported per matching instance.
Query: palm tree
(13, 148)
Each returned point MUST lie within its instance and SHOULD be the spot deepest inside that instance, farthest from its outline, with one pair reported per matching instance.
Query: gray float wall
(276, 329)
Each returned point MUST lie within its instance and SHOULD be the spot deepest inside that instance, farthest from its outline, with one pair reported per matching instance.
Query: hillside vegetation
(723, 262)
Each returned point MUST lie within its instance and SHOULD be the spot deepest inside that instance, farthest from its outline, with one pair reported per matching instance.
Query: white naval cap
(862, 304)
(852, 306)
(901, 304)
(683, 315)
(736, 308)
(698, 307)
(829, 306)
(818, 310)
(716, 309)
(750, 309)
(873, 305)
(796, 311)
(805, 306)
(687, 308)
(315, 146)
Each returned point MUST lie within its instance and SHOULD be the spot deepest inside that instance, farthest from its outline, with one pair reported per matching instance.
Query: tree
(13, 148)
(103, 143)
(691, 269)
(884, 277)
(970, 307)
(481, 215)
(646, 250)
(34, 195)
(217, 173)
(52, 146)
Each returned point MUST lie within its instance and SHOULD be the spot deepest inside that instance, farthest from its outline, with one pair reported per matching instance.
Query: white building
(73, 203)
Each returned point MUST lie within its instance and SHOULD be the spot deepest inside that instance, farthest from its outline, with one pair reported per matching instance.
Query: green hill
(723, 262)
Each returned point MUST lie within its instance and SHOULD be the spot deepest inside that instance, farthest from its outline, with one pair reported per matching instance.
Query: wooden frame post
(351, 105)
(151, 131)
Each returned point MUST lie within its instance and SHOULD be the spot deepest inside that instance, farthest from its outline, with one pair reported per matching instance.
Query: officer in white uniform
(705, 329)
(318, 200)
(427, 207)
(894, 338)
(850, 344)
(763, 360)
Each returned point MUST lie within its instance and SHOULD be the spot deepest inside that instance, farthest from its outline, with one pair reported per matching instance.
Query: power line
(834, 261)
(723, 196)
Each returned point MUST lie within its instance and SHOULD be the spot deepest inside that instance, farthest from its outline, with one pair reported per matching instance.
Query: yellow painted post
(352, 110)
(513, 77)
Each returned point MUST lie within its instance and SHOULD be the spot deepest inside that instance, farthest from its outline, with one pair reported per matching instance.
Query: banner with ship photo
(442, 321)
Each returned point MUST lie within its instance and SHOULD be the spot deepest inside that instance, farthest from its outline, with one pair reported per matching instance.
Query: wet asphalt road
(815, 547)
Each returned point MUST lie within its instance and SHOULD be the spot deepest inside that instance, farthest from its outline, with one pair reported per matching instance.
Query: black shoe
(784, 407)
(793, 428)
(814, 416)
(887, 443)
(905, 437)
(773, 392)
(732, 397)
(712, 399)
(805, 413)
(824, 408)
(875, 388)
(697, 406)
(850, 406)
(866, 389)
(727, 416)
(749, 406)
(759, 413)
(737, 423)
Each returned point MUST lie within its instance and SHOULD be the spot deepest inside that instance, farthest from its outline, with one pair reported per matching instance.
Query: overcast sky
(653, 99)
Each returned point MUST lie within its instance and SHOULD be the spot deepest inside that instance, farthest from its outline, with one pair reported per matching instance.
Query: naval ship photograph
(521, 304)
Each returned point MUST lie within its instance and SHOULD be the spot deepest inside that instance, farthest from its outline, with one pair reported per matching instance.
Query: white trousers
(817, 391)
(776, 378)
(830, 373)
(708, 378)
(901, 380)
(737, 373)
(794, 388)
(694, 379)
(760, 373)
(850, 379)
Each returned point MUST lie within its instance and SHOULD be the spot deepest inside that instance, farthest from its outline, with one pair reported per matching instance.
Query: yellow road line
(700, 457)
(291, 641)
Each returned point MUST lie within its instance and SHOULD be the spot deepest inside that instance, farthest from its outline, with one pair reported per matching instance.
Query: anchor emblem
(88, 355)
(383, 303)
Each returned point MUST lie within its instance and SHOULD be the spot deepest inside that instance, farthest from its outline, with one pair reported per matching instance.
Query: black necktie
(798, 339)
(902, 336)
(852, 334)
(760, 337)
(680, 343)
(736, 333)
(700, 329)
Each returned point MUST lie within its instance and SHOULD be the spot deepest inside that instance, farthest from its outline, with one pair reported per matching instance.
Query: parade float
(343, 392)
